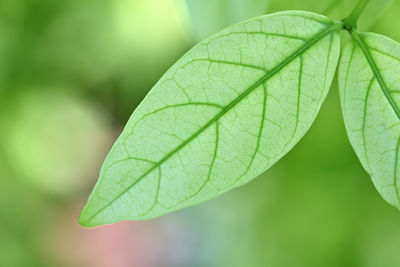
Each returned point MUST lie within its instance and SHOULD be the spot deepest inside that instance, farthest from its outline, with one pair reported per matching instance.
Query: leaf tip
(84, 220)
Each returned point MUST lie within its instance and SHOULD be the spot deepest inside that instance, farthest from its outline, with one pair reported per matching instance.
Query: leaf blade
(368, 88)
(206, 146)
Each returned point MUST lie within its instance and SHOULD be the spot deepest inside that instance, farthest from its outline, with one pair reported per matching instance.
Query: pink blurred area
(160, 242)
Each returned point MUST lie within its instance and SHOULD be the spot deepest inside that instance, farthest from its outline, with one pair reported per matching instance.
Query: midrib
(262, 80)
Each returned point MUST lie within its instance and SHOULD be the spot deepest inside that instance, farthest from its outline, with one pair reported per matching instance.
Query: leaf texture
(222, 115)
(369, 84)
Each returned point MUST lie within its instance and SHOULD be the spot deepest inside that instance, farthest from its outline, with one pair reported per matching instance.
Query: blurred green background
(72, 72)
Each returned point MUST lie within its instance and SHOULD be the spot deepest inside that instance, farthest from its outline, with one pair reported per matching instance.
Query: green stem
(351, 20)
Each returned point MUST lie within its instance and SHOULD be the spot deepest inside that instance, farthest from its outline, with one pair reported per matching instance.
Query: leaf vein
(175, 106)
(365, 120)
(226, 62)
(264, 108)
(395, 170)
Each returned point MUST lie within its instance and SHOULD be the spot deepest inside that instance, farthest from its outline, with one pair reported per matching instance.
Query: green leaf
(369, 81)
(222, 115)
(220, 14)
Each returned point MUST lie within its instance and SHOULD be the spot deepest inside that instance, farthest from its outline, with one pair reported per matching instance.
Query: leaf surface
(369, 82)
(222, 115)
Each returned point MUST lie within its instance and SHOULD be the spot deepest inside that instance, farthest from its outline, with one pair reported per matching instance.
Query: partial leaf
(369, 82)
(373, 14)
(220, 14)
(222, 115)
